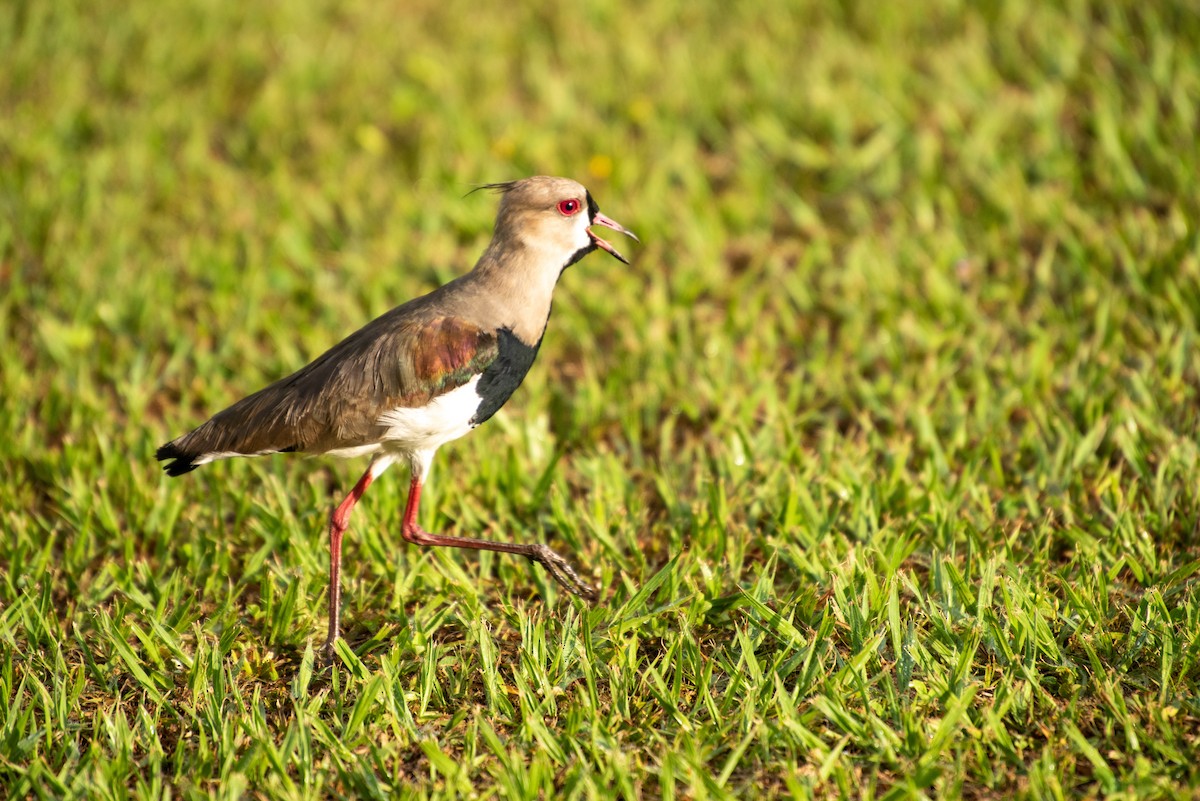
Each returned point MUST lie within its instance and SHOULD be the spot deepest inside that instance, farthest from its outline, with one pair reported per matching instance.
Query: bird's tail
(183, 462)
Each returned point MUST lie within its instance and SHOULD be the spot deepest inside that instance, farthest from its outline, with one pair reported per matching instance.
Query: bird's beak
(607, 222)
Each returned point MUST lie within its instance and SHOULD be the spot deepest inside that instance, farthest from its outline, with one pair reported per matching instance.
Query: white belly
(445, 418)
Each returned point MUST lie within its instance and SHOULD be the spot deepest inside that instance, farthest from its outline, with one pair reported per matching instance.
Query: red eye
(568, 207)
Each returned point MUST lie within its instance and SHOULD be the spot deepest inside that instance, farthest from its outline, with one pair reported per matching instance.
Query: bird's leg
(338, 522)
(557, 566)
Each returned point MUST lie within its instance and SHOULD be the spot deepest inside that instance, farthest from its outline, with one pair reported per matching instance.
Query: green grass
(884, 450)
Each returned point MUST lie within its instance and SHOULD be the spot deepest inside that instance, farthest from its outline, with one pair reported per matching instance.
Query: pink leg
(338, 521)
(558, 567)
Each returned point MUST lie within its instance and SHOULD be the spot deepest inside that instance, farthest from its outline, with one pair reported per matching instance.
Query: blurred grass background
(884, 449)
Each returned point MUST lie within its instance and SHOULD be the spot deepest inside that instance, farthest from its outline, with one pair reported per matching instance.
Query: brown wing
(336, 401)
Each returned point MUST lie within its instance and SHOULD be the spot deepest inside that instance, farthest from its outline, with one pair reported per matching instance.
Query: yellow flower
(371, 139)
(600, 166)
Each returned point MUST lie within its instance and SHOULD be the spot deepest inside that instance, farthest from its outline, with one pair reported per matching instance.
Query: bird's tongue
(608, 222)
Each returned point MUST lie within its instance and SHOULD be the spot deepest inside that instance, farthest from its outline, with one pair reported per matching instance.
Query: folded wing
(336, 401)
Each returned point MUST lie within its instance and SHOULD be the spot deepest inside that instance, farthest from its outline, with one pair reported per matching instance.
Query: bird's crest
(500, 188)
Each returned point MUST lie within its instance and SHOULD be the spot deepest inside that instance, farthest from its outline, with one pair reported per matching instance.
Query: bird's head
(554, 216)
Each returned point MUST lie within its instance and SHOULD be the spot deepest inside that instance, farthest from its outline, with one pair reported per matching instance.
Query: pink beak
(608, 222)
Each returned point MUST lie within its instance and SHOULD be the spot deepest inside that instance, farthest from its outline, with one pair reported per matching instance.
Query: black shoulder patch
(502, 377)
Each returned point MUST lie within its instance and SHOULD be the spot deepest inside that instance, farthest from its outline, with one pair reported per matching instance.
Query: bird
(423, 374)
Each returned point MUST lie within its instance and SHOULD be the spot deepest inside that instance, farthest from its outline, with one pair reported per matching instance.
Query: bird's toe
(563, 573)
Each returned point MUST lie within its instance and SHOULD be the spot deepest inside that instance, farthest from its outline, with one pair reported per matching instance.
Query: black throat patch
(502, 377)
(579, 254)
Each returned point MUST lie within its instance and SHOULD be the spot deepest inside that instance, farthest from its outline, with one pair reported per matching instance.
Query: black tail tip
(182, 461)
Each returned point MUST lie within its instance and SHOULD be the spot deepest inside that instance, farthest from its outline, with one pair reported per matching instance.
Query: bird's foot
(562, 572)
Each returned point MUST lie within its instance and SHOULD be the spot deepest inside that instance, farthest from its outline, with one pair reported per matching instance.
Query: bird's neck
(518, 281)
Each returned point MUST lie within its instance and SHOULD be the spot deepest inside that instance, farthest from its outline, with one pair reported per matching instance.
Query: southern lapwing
(423, 374)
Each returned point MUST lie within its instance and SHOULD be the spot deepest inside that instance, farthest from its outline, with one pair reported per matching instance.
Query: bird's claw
(563, 573)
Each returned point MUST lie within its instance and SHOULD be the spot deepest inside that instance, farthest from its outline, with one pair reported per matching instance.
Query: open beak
(607, 222)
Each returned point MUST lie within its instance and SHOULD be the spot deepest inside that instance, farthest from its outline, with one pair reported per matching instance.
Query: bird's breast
(502, 377)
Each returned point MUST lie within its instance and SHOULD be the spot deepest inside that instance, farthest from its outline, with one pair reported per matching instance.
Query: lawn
(884, 450)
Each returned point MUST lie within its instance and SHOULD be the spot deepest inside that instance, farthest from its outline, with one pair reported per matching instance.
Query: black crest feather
(500, 188)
